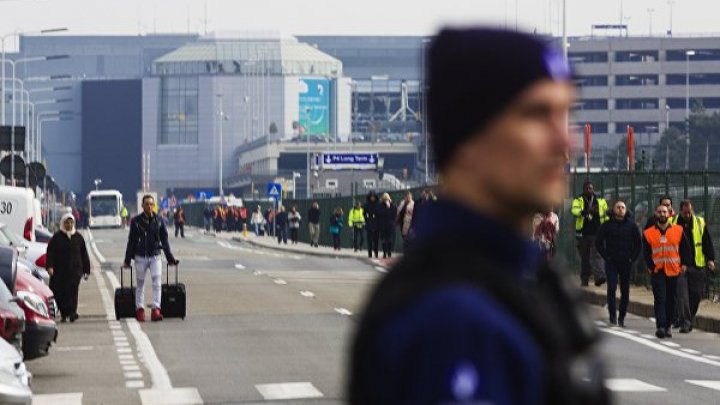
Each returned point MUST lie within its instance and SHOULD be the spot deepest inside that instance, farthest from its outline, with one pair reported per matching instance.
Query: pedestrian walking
(667, 254)
(218, 218)
(386, 222)
(590, 212)
(281, 225)
(207, 217)
(427, 198)
(294, 219)
(67, 263)
(372, 227)
(336, 226)
(314, 223)
(404, 217)
(619, 243)
(124, 215)
(257, 220)
(546, 226)
(269, 219)
(148, 235)
(179, 220)
(471, 313)
(691, 284)
(356, 221)
(230, 220)
(652, 219)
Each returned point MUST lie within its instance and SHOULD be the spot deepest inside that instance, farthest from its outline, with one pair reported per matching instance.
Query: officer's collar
(491, 238)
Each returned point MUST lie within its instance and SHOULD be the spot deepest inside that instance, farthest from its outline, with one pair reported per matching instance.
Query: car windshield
(103, 205)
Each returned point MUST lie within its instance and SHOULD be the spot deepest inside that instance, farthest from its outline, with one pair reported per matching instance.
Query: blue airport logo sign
(345, 161)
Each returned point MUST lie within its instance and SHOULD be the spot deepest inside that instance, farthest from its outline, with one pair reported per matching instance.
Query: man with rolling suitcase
(148, 235)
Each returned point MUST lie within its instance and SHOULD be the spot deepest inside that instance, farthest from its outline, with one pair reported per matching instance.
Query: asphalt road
(265, 326)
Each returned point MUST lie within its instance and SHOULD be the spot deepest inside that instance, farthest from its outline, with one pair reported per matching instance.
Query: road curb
(309, 253)
(702, 322)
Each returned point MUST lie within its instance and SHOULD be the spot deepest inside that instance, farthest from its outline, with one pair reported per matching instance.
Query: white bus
(105, 206)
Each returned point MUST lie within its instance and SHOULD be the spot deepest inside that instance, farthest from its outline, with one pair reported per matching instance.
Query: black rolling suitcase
(173, 299)
(125, 298)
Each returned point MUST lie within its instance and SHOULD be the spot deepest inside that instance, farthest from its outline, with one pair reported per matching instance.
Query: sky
(351, 17)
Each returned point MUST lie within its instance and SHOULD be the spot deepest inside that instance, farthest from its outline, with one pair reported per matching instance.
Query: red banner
(588, 146)
(631, 147)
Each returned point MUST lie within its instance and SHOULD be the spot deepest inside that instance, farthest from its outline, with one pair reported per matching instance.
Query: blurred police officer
(692, 282)
(471, 313)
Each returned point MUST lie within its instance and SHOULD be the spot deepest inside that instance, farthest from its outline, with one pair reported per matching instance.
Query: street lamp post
(97, 183)
(667, 117)
(2, 59)
(222, 117)
(295, 176)
(688, 54)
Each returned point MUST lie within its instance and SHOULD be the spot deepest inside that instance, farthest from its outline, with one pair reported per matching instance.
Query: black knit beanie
(474, 74)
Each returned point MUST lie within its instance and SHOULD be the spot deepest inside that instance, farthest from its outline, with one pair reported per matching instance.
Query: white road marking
(600, 323)
(657, 346)
(133, 375)
(257, 273)
(239, 266)
(646, 336)
(131, 367)
(381, 269)
(670, 344)
(124, 350)
(288, 391)
(125, 357)
(631, 385)
(634, 332)
(175, 396)
(308, 294)
(713, 385)
(280, 281)
(94, 247)
(74, 398)
(691, 351)
(74, 348)
(134, 384)
(711, 357)
(343, 311)
(652, 320)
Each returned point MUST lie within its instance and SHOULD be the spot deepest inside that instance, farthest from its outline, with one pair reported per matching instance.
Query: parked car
(37, 301)
(38, 272)
(20, 210)
(36, 252)
(14, 377)
(12, 318)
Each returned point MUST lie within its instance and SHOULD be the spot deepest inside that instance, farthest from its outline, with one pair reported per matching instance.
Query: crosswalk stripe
(171, 396)
(297, 390)
(631, 385)
(74, 398)
(713, 385)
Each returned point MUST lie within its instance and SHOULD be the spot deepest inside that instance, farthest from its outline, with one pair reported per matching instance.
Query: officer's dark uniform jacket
(147, 237)
(471, 314)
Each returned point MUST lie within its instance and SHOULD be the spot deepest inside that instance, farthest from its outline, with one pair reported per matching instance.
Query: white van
(18, 210)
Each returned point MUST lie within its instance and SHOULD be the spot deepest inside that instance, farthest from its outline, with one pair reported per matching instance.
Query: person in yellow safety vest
(590, 211)
(668, 253)
(356, 221)
(692, 283)
(124, 216)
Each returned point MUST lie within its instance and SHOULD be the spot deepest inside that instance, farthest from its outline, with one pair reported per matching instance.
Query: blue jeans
(615, 270)
(257, 229)
(664, 290)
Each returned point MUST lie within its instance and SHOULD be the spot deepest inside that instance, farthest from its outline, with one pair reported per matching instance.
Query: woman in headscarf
(67, 263)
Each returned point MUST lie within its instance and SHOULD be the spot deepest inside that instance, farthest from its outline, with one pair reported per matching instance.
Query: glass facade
(179, 118)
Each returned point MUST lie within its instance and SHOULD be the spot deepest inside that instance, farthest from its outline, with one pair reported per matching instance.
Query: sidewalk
(641, 303)
(268, 242)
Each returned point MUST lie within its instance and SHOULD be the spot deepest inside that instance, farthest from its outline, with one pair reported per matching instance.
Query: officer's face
(687, 211)
(667, 203)
(520, 157)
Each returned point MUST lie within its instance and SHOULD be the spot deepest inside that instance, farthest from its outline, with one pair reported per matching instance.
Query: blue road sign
(203, 195)
(340, 161)
(274, 190)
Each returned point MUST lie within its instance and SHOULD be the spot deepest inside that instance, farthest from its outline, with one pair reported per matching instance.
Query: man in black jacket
(314, 223)
(370, 210)
(148, 235)
(618, 241)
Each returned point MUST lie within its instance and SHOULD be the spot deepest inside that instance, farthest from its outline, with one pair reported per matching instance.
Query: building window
(636, 80)
(695, 79)
(636, 104)
(678, 103)
(592, 104)
(592, 81)
(595, 127)
(700, 55)
(179, 119)
(636, 56)
(638, 127)
(588, 57)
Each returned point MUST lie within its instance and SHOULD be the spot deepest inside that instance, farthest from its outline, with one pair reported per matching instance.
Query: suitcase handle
(167, 272)
(122, 284)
